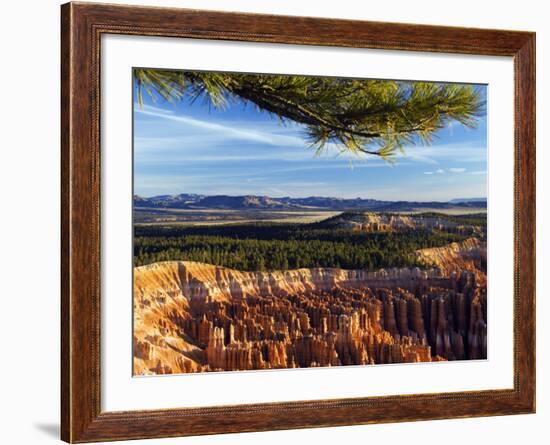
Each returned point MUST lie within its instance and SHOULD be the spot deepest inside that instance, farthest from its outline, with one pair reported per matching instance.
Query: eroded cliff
(470, 255)
(193, 317)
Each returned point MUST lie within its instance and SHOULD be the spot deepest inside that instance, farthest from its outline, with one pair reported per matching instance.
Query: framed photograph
(275, 222)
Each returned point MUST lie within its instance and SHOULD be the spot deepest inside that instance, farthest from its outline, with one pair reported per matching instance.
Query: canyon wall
(470, 255)
(193, 317)
(206, 282)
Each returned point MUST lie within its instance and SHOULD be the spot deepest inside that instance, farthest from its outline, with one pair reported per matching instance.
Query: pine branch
(356, 113)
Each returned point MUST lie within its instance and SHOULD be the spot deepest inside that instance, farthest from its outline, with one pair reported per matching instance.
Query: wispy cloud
(446, 152)
(441, 171)
(227, 131)
(138, 108)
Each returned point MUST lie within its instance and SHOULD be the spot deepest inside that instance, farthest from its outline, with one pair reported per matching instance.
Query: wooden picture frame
(82, 26)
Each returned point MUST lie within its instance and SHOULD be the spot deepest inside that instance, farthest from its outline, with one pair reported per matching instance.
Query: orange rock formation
(193, 317)
(470, 255)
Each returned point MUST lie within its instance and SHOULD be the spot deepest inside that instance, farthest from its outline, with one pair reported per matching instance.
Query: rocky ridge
(249, 202)
(380, 222)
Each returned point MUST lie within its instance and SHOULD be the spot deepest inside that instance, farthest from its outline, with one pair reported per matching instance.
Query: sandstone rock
(201, 318)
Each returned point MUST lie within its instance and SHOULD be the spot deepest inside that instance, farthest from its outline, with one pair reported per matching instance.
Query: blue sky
(188, 147)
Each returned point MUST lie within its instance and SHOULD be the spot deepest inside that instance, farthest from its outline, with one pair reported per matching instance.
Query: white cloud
(441, 171)
(451, 152)
(151, 109)
(229, 132)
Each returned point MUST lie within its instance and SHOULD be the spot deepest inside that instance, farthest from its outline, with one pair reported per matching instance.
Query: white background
(121, 392)
(29, 175)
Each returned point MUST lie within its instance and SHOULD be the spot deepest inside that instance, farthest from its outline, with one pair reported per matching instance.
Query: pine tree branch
(356, 113)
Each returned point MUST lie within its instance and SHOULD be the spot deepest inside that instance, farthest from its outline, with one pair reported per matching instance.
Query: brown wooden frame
(82, 25)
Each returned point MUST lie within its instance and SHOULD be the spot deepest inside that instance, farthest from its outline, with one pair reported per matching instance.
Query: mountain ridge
(263, 202)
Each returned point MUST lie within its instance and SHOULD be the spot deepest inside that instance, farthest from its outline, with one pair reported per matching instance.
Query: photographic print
(289, 221)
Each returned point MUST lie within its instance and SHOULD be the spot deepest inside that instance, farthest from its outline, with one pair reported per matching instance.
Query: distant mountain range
(472, 200)
(253, 202)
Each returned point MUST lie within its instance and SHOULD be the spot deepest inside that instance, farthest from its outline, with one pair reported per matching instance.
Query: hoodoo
(194, 317)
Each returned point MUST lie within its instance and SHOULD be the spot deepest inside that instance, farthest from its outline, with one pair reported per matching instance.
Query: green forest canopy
(362, 116)
(269, 246)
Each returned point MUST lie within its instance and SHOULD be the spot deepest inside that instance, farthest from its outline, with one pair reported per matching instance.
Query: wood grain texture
(82, 27)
